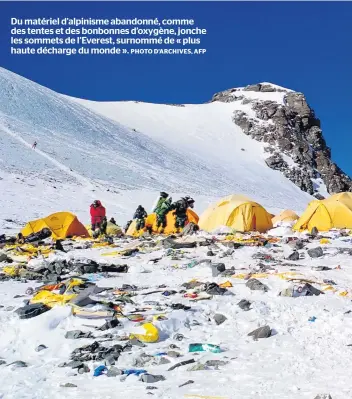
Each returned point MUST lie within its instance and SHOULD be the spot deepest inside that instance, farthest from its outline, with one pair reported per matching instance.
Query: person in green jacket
(162, 212)
(162, 198)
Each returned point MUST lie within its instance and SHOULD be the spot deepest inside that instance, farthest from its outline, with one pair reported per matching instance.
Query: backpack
(181, 205)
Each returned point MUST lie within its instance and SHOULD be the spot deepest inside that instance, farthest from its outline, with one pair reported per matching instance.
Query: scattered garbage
(186, 383)
(219, 318)
(68, 385)
(301, 290)
(184, 363)
(99, 371)
(244, 305)
(293, 256)
(148, 325)
(40, 348)
(315, 252)
(150, 379)
(256, 285)
(204, 348)
(217, 269)
(261, 332)
(18, 364)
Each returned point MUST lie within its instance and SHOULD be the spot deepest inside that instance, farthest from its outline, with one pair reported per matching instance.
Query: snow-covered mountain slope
(204, 130)
(131, 149)
(280, 119)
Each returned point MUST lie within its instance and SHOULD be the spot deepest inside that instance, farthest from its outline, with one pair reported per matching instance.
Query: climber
(161, 200)
(34, 145)
(97, 213)
(58, 246)
(103, 226)
(128, 224)
(113, 221)
(161, 213)
(180, 211)
(140, 216)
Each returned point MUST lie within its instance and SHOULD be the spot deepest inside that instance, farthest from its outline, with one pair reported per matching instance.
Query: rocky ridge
(291, 129)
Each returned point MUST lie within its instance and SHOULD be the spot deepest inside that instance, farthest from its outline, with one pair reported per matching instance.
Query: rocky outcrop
(264, 87)
(288, 128)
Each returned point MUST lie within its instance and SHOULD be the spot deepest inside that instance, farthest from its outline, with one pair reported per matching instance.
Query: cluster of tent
(242, 214)
(237, 212)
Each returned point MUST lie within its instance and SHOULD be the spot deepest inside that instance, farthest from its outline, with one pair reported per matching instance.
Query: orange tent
(150, 222)
(62, 225)
(285, 216)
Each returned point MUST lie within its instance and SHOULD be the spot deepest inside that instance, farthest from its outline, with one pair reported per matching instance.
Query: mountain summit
(287, 124)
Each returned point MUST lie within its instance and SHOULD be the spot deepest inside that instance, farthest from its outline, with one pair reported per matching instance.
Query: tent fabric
(237, 212)
(332, 212)
(150, 222)
(285, 216)
(62, 225)
(111, 229)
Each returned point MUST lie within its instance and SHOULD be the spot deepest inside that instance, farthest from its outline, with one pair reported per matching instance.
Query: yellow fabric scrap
(51, 299)
(343, 293)
(151, 334)
(12, 271)
(325, 241)
(103, 244)
(226, 284)
(284, 275)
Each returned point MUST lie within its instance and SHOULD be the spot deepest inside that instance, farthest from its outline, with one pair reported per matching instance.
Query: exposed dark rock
(241, 119)
(227, 96)
(276, 162)
(255, 87)
(298, 104)
(293, 128)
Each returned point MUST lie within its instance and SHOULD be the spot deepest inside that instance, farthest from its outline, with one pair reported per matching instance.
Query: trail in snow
(85, 182)
(87, 186)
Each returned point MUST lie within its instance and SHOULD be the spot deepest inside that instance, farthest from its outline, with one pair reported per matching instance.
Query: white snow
(88, 150)
(297, 360)
(83, 152)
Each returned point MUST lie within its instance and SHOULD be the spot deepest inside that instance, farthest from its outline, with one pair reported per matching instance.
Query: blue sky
(305, 46)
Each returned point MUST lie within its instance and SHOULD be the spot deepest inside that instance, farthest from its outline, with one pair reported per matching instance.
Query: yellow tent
(285, 216)
(332, 212)
(237, 212)
(150, 222)
(62, 225)
(111, 229)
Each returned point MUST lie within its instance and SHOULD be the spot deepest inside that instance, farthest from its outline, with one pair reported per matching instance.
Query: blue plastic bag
(99, 371)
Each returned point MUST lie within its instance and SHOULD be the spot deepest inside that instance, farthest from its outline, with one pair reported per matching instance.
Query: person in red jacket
(97, 213)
